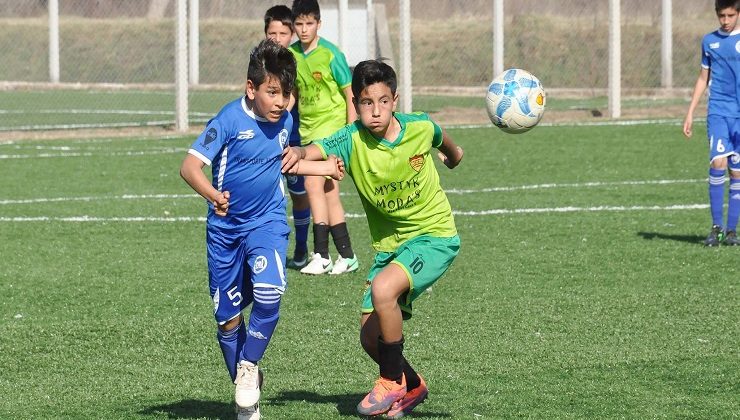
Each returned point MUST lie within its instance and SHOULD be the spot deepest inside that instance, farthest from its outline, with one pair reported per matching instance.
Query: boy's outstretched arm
(309, 161)
(449, 152)
(191, 171)
(699, 87)
(291, 156)
(331, 167)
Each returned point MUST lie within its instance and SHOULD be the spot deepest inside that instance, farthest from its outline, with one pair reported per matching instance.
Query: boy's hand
(291, 156)
(221, 203)
(687, 124)
(338, 165)
(451, 161)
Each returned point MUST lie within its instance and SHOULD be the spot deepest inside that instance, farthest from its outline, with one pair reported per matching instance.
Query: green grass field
(582, 289)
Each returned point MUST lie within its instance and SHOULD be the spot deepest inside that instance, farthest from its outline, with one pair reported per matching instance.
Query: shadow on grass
(692, 239)
(194, 409)
(346, 403)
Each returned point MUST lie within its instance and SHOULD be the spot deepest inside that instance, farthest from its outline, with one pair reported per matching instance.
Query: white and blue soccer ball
(515, 101)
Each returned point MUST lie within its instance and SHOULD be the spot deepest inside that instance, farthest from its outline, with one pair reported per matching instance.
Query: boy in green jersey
(387, 154)
(323, 99)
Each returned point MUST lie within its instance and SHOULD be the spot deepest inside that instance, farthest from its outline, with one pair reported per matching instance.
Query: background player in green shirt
(323, 99)
(387, 154)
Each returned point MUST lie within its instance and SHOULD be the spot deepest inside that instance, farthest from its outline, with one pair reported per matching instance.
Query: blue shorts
(296, 184)
(724, 139)
(237, 261)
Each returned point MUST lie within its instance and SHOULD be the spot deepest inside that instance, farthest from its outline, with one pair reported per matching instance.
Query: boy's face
(282, 34)
(306, 28)
(268, 98)
(727, 19)
(375, 107)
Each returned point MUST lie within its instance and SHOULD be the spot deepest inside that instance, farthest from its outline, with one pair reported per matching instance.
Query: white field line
(575, 185)
(608, 123)
(451, 191)
(593, 209)
(164, 151)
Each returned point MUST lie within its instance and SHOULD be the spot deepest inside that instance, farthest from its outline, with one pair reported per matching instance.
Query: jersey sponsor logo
(416, 162)
(245, 135)
(714, 45)
(260, 264)
(317, 76)
(283, 138)
(211, 135)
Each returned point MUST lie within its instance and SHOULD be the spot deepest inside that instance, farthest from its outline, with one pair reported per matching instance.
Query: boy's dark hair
(369, 72)
(268, 58)
(280, 13)
(724, 4)
(307, 8)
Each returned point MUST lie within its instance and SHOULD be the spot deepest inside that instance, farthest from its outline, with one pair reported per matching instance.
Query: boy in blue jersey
(279, 28)
(246, 230)
(388, 156)
(720, 71)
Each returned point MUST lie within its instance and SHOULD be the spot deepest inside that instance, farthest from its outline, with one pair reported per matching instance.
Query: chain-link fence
(116, 61)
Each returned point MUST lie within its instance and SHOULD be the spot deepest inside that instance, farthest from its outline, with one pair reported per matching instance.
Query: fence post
(181, 65)
(372, 50)
(666, 61)
(498, 37)
(54, 41)
(342, 15)
(194, 16)
(615, 59)
(405, 47)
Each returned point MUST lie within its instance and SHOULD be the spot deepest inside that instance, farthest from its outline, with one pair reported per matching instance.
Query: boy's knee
(231, 324)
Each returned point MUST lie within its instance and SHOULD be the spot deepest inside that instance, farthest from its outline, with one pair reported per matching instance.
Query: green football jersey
(397, 181)
(322, 74)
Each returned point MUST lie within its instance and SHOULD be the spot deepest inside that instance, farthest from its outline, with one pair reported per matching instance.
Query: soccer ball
(515, 101)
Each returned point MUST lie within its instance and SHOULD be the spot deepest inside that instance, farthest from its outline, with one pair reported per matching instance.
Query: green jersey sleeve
(339, 144)
(340, 69)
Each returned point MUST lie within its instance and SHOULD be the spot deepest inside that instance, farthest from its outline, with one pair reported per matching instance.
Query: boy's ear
(395, 101)
(249, 90)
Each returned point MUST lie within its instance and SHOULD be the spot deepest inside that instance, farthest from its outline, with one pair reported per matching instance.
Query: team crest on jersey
(283, 137)
(317, 76)
(737, 46)
(211, 135)
(416, 162)
(260, 264)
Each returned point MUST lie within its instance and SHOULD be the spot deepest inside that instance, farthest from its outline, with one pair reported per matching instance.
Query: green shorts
(424, 259)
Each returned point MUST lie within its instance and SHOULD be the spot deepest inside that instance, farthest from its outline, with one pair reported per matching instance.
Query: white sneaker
(248, 413)
(345, 265)
(248, 383)
(318, 265)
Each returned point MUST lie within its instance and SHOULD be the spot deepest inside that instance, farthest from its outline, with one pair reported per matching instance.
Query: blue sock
(262, 322)
(733, 206)
(301, 220)
(716, 194)
(231, 343)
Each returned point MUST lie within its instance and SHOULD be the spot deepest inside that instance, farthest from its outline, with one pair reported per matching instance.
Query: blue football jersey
(245, 153)
(721, 56)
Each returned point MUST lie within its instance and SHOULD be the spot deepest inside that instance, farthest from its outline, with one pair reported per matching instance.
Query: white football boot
(318, 265)
(248, 413)
(248, 385)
